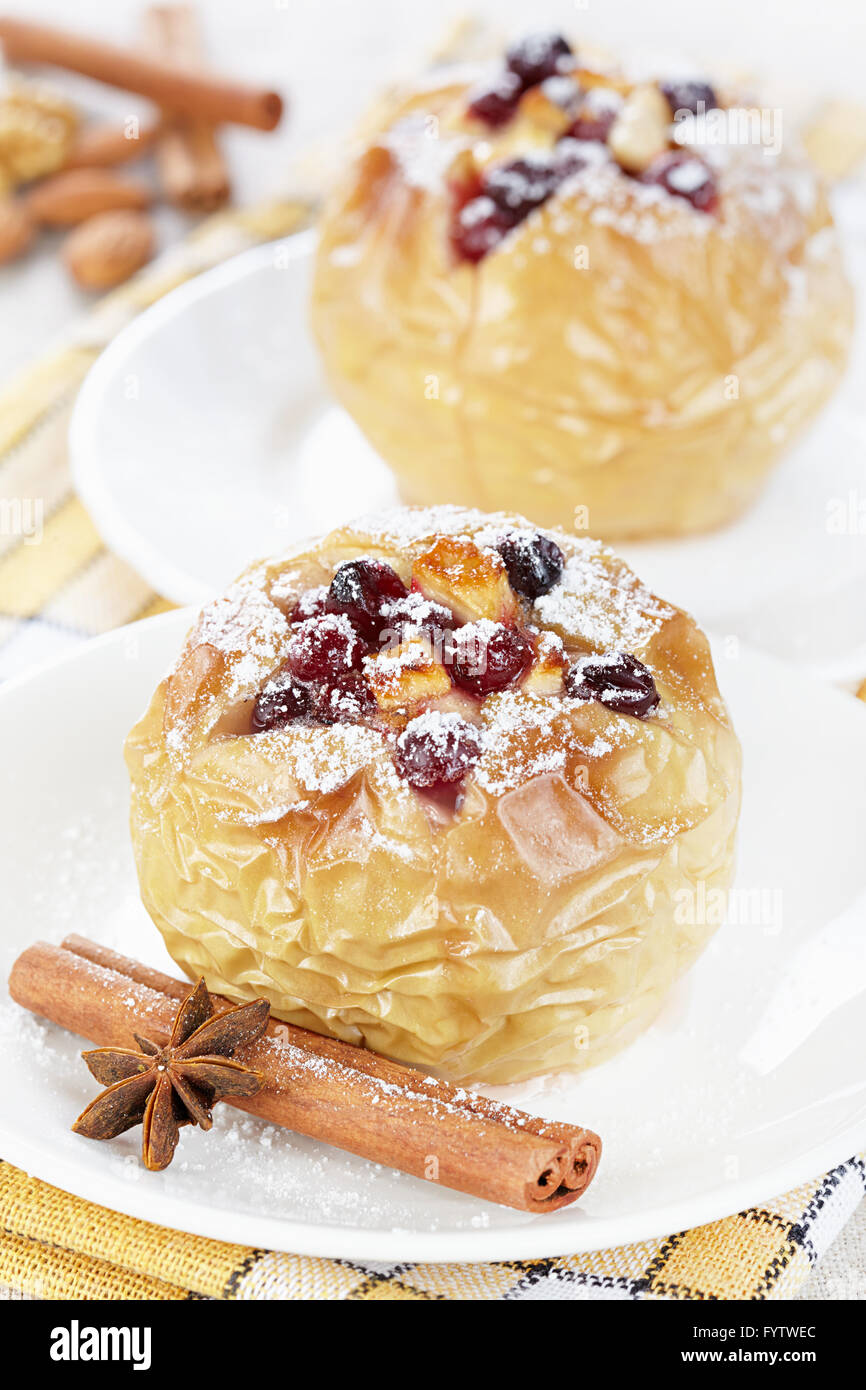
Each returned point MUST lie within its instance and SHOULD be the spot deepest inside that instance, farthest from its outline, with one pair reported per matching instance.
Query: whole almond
(17, 229)
(76, 194)
(108, 248)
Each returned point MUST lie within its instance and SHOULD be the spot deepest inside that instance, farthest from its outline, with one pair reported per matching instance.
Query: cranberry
(480, 226)
(619, 682)
(695, 97)
(534, 563)
(417, 614)
(487, 656)
(598, 111)
(519, 185)
(685, 175)
(344, 700)
(361, 589)
(310, 605)
(437, 748)
(495, 102)
(321, 648)
(282, 701)
(538, 56)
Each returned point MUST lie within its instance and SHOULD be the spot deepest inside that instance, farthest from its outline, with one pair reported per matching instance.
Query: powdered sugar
(601, 603)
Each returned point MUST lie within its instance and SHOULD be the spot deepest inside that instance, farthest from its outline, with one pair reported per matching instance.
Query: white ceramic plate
(751, 1082)
(204, 437)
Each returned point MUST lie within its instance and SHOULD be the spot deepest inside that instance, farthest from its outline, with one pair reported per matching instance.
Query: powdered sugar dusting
(602, 604)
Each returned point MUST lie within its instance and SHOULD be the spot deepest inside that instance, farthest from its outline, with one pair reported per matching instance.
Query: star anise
(164, 1088)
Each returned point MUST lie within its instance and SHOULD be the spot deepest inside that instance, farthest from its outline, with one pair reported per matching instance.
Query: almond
(71, 197)
(107, 249)
(17, 229)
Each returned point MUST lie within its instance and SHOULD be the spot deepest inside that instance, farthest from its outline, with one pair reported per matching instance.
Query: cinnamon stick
(170, 86)
(189, 161)
(327, 1089)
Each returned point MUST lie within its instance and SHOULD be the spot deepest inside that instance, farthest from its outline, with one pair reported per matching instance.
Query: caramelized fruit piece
(685, 175)
(545, 675)
(407, 674)
(619, 682)
(537, 56)
(518, 185)
(689, 96)
(487, 656)
(437, 749)
(495, 101)
(534, 563)
(470, 581)
(322, 648)
(362, 589)
(282, 701)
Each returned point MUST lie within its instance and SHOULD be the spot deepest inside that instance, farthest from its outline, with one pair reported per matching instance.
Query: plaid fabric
(57, 1246)
(58, 584)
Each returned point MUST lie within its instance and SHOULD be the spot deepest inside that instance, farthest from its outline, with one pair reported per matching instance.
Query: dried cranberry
(695, 97)
(487, 656)
(480, 226)
(414, 614)
(598, 111)
(437, 748)
(310, 605)
(619, 682)
(495, 102)
(345, 700)
(282, 701)
(538, 56)
(534, 563)
(521, 184)
(322, 648)
(685, 175)
(361, 589)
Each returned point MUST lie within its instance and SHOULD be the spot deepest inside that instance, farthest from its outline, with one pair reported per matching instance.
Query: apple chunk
(472, 582)
(407, 675)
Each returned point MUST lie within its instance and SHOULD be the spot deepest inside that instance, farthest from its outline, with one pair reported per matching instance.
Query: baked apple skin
(615, 352)
(531, 923)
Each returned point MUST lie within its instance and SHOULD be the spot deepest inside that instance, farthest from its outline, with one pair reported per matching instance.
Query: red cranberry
(414, 614)
(495, 102)
(534, 563)
(521, 184)
(685, 175)
(437, 748)
(345, 700)
(282, 701)
(598, 111)
(322, 648)
(310, 605)
(695, 97)
(538, 56)
(361, 589)
(480, 226)
(619, 682)
(487, 656)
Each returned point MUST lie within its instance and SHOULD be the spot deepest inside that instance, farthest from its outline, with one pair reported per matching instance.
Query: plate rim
(542, 1236)
(117, 532)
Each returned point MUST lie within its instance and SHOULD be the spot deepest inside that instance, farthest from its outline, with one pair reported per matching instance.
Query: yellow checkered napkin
(57, 1246)
(58, 584)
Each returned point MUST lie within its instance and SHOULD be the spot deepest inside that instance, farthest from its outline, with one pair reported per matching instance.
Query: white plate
(751, 1082)
(204, 437)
